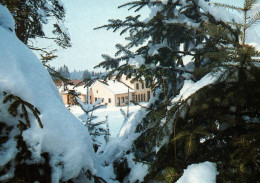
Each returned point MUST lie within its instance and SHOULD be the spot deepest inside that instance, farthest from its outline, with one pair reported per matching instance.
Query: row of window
(142, 85)
(109, 99)
(137, 98)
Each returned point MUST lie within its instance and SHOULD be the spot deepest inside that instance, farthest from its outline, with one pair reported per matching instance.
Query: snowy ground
(115, 118)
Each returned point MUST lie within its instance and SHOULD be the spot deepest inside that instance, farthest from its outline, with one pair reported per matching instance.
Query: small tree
(96, 129)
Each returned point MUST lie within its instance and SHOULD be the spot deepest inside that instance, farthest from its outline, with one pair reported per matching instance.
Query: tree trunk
(22, 21)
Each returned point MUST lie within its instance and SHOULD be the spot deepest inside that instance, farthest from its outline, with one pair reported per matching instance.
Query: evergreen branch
(181, 135)
(97, 179)
(13, 109)
(38, 49)
(121, 49)
(254, 20)
(228, 6)
(134, 4)
(248, 4)
(235, 24)
(26, 116)
(55, 73)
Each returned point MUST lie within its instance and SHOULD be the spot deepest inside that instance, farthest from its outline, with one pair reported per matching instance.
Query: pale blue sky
(82, 16)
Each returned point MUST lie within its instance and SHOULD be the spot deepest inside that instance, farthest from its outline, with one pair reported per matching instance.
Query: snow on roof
(78, 89)
(116, 87)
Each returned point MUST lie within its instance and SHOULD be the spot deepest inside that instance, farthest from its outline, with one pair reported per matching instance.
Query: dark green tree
(31, 16)
(86, 75)
(64, 72)
(218, 123)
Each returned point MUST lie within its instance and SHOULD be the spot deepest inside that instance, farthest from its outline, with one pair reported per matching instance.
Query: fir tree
(30, 17)
(86, 75)
(216, 123)
(64, 72)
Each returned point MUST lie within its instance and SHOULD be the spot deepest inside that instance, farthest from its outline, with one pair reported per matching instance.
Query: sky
(82, 16)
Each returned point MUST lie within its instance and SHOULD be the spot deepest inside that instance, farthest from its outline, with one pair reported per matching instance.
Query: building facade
(112, 92)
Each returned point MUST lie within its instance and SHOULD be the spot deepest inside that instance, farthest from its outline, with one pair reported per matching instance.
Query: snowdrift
(63, 136)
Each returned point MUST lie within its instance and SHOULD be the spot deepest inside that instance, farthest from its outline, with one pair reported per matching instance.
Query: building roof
(70, 82)
(77, 82)
(116, 87)
(72, 85)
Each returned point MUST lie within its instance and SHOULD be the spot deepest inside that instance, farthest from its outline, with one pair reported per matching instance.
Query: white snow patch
(63, 136)
(64, 30)
(137, 61)
(225, 15)
(199, 173)
(138, 170)
(6, 19)
(190, 87)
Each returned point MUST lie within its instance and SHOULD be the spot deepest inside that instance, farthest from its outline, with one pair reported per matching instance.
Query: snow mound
(199, 173)
(190, 87)
(6, 19)
(63, 136)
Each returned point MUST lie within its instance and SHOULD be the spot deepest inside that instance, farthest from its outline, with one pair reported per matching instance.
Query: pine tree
(64, 72)
(216, 123)
(31, 16)
(86, 75)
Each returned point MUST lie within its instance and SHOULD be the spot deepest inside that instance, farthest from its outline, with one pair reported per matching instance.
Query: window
(118, 101)
(147, 84)
(144, 97)
(142, 85)
(122, 99)
(133, 97)
(141, 97)
(137, 86)
(97, 91)
(109, 100)
(126, 99)
(148, 95)
(95, 99)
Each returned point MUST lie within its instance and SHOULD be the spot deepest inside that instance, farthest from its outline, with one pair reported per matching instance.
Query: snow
(115, 118)
(153, 13)
(43, 15)
(122, 137)
(63, 29)
(199, 173)
(190, 87)
(6, 19)
(162, 1)
(48, 6)
(138, 170)
(137, 61)
(153, 48)
(184, 20)
(116, 87)
(63, 136)
(225, 15)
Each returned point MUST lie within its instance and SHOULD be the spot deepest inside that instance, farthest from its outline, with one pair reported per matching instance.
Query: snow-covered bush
(40, 139)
